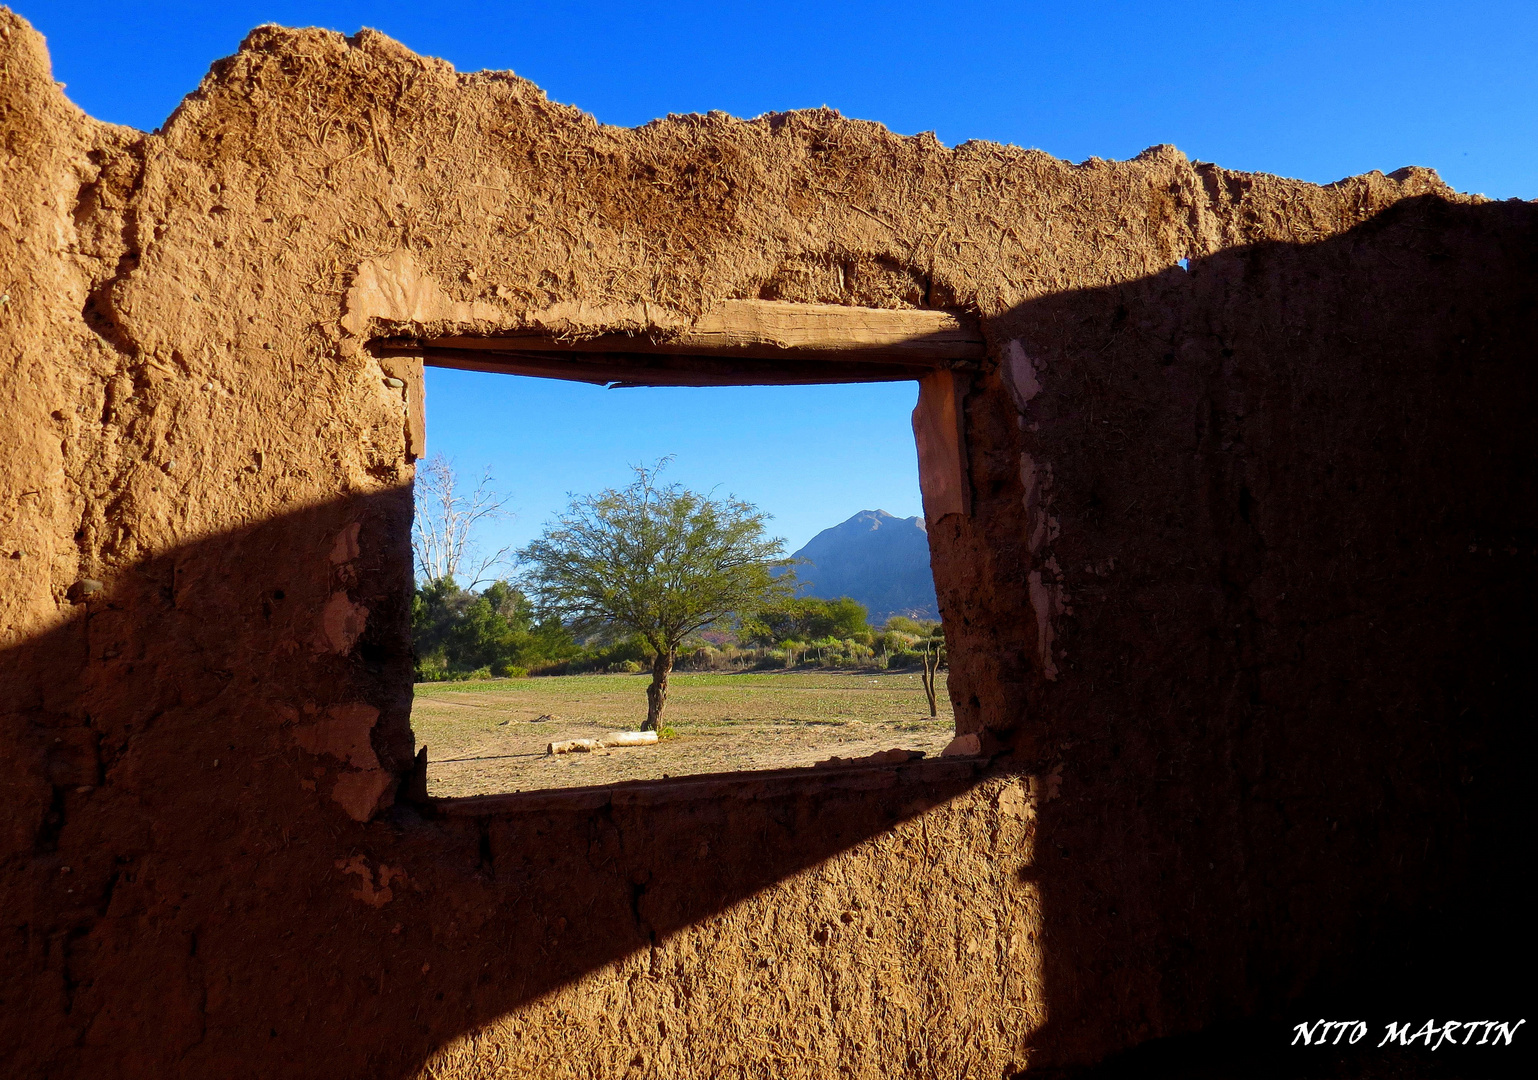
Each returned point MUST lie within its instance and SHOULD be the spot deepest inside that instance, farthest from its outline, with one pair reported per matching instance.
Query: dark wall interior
(1296, 518)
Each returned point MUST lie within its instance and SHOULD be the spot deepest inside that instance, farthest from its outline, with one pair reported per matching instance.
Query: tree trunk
(931, 668)
(657, 692)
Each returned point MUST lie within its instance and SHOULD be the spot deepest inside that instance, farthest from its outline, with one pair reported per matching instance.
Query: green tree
(435, 607)
(658, 561)
(457, 631)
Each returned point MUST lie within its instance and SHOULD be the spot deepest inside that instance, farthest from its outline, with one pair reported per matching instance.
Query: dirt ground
(487, 737)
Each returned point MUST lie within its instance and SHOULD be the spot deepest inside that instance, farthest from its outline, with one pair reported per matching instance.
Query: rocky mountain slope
(880, 560)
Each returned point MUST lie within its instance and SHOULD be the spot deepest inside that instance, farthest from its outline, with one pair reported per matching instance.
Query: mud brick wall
(1242, 613)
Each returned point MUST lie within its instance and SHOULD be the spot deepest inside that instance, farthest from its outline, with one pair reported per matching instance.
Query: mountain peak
(867, 520)
(877, 558)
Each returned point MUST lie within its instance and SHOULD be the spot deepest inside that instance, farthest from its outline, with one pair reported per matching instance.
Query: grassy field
(490, 736)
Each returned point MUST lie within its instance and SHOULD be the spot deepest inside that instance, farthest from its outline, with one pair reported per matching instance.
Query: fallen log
(587, 746)
(630, 738)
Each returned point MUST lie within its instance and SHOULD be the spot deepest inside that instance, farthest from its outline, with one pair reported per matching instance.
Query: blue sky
(1311, 90)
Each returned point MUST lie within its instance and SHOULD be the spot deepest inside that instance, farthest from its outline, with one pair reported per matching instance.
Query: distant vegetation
(649, 577)
(463, 634)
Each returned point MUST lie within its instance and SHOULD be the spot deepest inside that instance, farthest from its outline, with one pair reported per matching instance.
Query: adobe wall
(1239, 613)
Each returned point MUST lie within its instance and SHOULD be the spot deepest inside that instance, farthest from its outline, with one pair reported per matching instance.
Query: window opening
(820, 679)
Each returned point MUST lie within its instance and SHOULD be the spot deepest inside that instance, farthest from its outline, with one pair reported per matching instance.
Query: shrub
(894, 641)
(431, 669)
(458, 631)
(728, 658)
(768, 659)
(806, 617)
(701, 658)
(905, 625)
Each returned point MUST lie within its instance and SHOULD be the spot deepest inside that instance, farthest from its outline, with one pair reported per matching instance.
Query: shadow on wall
(185, 893)
(1296, 493)
(1292, 569)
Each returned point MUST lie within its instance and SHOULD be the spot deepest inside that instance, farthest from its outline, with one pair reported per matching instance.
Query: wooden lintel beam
(770, 330)
(511, 364)
(659, 369)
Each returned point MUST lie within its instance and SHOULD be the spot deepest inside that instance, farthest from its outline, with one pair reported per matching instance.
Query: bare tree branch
(446, 520)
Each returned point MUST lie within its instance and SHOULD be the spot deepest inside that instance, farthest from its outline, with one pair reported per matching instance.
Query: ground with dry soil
(486, 737)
